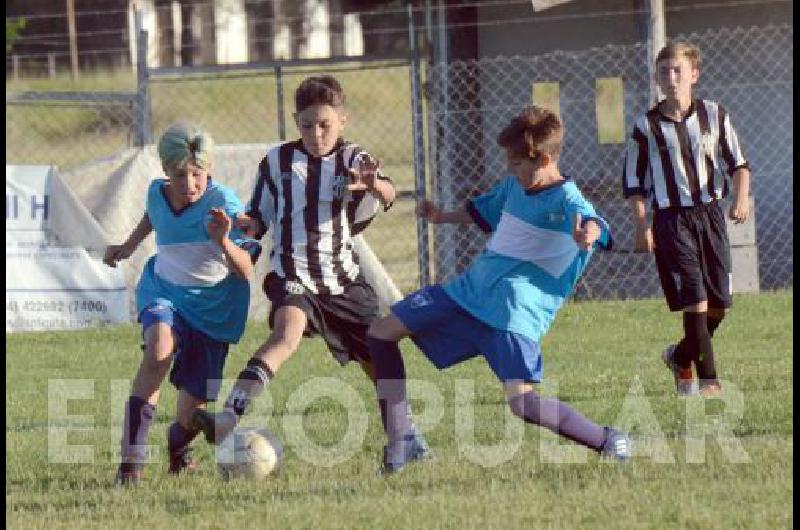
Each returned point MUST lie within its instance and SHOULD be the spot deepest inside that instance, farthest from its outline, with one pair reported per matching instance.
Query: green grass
(597, 355)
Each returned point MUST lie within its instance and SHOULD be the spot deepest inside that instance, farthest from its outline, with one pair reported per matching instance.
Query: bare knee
(388, 328)
(159, 346)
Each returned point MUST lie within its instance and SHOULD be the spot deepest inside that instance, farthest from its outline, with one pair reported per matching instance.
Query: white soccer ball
(251, 453)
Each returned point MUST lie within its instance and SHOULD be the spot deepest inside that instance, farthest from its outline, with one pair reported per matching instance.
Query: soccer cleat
(412, 447)
(710, 388)
(684, 380)
(182, 462)
(215, 427)
(128, 475)
(617, 445)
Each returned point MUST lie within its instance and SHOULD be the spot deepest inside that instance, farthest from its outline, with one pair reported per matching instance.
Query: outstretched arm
(427, 210)
(117, 253)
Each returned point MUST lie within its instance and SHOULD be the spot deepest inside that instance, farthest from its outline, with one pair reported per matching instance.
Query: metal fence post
(279, 96)
(142, 82)
(423, 258)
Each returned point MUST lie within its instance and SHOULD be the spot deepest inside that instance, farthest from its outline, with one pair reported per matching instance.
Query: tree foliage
(13, 28)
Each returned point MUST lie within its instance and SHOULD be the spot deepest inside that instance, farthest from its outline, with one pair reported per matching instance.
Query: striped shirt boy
(312, 214)
(680, 162)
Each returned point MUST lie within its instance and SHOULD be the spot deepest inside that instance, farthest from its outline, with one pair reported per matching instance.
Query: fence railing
(434, 127)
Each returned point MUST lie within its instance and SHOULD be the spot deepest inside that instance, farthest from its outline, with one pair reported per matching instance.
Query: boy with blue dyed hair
(543, 234)
(192, 297)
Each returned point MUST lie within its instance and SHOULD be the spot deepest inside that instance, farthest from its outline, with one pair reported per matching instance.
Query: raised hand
(585, 235)
(219, 226)
(364, 177)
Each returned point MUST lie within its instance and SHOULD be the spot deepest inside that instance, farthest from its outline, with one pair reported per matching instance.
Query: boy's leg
(181, 433)
(390, 374)
(553, 414)
(289, 324)
(404, 443)
(160, 342)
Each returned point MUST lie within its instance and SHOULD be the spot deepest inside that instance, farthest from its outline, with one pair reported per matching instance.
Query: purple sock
(390, 382)
(139, 415)
(179, 438)
(559, 418)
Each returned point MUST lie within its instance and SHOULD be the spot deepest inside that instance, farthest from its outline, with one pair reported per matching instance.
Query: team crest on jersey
(556, 217)
(420, 299)
(292, 287)
(338, 186)
(707, 144)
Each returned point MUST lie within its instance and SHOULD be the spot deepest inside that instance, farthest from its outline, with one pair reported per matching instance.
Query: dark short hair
(535, 130)
(318, 90)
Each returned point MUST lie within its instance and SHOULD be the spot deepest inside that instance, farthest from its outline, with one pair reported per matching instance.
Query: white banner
(49, 286)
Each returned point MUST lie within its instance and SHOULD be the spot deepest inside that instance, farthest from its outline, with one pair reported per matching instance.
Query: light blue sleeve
(233, 207)
(486, 209)
(151, 201)
(577, 204)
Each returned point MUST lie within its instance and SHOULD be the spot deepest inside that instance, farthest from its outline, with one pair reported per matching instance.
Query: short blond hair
(184, 142)
(678, 49)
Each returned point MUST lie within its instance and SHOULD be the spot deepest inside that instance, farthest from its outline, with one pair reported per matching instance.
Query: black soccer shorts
(341, 320)
(693, 255)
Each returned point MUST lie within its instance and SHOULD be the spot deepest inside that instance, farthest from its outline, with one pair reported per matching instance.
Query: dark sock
(390, 375)
(713, 323)
(371, 375)
(179, 438)
(139, 415)
(559, 418)
(248, 386)
(698, 341)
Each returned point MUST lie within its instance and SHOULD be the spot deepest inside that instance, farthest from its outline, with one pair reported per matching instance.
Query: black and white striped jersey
(311, 214)
(680, 162)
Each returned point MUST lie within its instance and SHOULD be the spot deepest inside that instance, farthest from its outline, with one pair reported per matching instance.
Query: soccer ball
(250, 453)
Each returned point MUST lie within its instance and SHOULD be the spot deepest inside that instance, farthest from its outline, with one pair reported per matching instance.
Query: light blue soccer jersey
(531, 262)
(189, 269)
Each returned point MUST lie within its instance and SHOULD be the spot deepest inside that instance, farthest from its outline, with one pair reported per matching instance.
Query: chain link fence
(69, 128)
(748, 70)
(465, 105)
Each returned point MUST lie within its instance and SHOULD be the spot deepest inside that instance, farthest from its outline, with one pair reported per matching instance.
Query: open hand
(219, 226)
(585, 235)
(365, 175)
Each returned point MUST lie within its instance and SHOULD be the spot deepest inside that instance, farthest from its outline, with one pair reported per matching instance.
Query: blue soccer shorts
(448, 335)
(198, 359)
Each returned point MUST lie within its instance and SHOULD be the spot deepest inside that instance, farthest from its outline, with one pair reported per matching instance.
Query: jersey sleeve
(576, 204)
(729, 144)
(636, 169)
(486, 209)
(262, 202)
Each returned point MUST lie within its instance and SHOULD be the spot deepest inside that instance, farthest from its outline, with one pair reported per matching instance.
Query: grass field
(602, 357)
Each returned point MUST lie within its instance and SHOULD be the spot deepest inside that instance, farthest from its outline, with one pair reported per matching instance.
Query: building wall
(575, 29)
